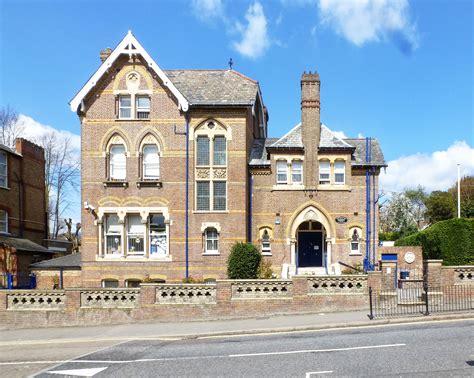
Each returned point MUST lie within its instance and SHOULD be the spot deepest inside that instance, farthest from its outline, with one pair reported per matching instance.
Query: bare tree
(10, 127)
(74, 238)
(61, 173)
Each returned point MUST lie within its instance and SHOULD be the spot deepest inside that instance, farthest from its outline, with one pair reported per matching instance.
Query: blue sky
(398, 70)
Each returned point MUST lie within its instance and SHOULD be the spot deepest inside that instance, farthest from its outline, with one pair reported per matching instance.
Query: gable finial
(231, 63)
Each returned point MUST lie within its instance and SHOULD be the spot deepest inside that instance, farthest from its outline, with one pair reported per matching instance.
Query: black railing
(420, 300)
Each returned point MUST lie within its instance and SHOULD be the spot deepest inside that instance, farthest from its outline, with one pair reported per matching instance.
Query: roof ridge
(243, 76)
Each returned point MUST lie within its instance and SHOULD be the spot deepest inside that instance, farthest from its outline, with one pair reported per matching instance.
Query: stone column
(433, 272)
(389, 271)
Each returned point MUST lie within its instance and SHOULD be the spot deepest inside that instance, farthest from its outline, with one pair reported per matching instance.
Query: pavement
(269, 324)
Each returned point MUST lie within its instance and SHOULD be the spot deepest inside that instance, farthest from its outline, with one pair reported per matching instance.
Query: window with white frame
(266, 245)
(339, 172)
(135, 235)
(113, 235)
(118, 162)
(3, 222)
(211, 240)
(324, 172)
(158, 243)
(282, 171)
(151, 162)
(3, 170)
(355, 242)
(125, 107)
(297, 172)
(109, 283)
(142, 106)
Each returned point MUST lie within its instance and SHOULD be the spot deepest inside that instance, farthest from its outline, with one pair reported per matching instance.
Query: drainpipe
(21, 196)
(187, 195)
(249, 238)
(374, 218)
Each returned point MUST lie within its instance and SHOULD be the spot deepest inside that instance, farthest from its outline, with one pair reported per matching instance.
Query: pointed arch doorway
(310, 241)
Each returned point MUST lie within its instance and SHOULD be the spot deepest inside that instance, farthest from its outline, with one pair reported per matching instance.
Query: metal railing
(418, 301)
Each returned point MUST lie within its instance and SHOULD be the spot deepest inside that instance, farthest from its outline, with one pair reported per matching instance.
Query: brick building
(177, 167)
(23, 218)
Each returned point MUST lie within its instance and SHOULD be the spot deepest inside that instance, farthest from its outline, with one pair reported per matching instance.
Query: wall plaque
(341, 220)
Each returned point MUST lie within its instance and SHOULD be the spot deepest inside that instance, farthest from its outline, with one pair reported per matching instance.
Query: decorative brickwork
(262, 289)
(345, 284)
(33, 300)
(110, 298)
(186, 294)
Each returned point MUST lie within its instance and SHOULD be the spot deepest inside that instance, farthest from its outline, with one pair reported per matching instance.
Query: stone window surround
(351, 232)
(134, 92)
(332, 185)
(114, 140)
(218, 129)
(148, 139)
(289, 185)
(261, 231)
(204, 227)
(122, 212)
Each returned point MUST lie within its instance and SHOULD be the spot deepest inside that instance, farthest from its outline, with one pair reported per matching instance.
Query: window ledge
(333, 187)
(131, 258)
(210, 211)
(147, 183)
(160, 258)
(115, 183)
(355, 254)
(4, 187)
(288, 187)
(133, 119)
(216, 253)
(266, 254)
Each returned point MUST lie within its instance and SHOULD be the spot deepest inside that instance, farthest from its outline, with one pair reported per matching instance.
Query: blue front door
(310, 249)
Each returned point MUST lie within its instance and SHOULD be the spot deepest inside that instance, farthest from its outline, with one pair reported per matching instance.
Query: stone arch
(211, 127)
(120, 78)
(149, 136)
(115, 136)
(315, 212)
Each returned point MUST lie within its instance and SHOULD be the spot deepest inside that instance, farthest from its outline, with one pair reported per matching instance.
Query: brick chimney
(310, 126)
(105, 53)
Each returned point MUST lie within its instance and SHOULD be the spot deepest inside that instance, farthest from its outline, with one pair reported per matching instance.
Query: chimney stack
(105, 53)
(310, 126)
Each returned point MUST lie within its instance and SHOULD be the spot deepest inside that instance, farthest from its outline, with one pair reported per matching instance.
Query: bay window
(135, 235)
(113, 235)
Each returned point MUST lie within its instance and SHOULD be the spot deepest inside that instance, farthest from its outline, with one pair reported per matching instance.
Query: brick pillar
(433, 272)
(73, 299)
(374, 280)
(389, 270)
(147, 295)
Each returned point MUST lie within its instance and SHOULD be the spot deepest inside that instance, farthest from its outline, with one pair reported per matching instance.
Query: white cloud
(254, 36)
(362, 21)
(339, 134)
(34, 130)
(435, 171)
(208, 9)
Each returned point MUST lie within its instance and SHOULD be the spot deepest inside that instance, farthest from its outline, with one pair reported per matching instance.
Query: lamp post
(459, 190)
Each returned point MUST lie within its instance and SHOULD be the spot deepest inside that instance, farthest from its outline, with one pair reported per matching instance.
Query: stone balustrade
(186, 294)
(463, 275)
(344, 284)
(271, 289)
(36, 300)
(110, 298)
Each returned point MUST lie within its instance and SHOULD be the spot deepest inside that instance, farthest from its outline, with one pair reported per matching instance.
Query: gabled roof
(9, 150)
(129, 46)
(377, 158)
(292, 139)
(214, 87)
(329, 140)
(24, 245)
(68, 262)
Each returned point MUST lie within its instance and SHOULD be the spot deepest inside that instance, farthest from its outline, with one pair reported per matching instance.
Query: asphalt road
(425, 350)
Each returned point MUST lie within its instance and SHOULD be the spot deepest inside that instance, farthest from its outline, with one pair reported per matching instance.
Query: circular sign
(341, 220)
(409, 257)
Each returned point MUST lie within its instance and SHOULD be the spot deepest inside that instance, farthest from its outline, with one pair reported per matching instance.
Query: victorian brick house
(177, 167)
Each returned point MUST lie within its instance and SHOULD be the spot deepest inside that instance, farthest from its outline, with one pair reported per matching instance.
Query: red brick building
(177, 167)
(23, 218)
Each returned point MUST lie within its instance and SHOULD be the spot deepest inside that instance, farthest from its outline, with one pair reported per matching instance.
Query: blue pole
(367, 208)
(374, 245)
(187, 195)
(250, 208)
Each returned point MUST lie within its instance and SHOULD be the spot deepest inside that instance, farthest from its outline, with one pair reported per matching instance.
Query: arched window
(266, 245)
(118, 162)
(151, 162)
(324, 172)
(109, 283)
(339, 172)
(211, 240)
(355, 242)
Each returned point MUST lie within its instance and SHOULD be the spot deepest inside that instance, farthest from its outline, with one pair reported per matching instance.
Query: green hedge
(451, 240)
(243, 262)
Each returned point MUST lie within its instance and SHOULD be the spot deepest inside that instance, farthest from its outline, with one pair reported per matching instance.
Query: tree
(73, 237)
(467, 196)
(404, 213)
(10, 127)
(440, 206)
(61, 173)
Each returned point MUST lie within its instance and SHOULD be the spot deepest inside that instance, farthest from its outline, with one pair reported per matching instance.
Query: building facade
(177, 167)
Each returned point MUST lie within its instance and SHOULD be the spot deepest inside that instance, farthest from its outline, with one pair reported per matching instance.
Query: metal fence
(420, 300)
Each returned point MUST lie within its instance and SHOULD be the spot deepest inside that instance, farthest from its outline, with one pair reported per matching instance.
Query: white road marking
(310, 373)
(208, 357)
(79, 372)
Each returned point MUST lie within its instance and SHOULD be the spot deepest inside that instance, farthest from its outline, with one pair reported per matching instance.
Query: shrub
(265, 271)
(451, 240)
(243, 262)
